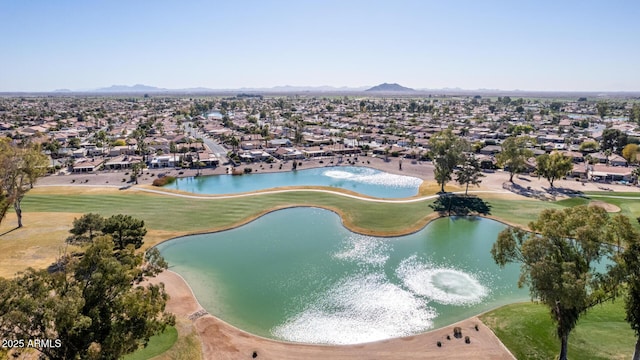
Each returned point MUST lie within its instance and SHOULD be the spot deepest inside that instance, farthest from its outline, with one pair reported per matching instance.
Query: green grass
(520, 212)
(629, 207)
(613, 193)
(527, 331)
(157, 345)
(574, 201)
(195, 215)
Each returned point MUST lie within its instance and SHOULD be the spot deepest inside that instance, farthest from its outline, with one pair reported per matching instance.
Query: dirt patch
(610, 208)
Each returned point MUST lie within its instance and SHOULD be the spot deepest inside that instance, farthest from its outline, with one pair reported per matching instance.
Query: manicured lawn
(169, 216)
(527, 331)
(629, 204)
(197, 215)
(520, 212)
(613, 193)
(574, 201)
(157, 345)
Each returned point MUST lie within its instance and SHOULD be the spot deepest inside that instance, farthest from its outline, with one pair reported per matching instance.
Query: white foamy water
(440, 284)
(373, 177)
(361, 308)
(364, 250)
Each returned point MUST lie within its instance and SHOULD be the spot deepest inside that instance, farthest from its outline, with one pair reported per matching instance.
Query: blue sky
(533, 45)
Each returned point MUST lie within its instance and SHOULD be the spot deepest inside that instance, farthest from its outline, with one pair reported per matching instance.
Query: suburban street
(218, 149)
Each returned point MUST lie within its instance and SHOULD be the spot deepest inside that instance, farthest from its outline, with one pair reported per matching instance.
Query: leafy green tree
(614, 140)
(603, 109)
(86, 228)
(94, 307)
(625, 273)
(630, 261)
(514, 155)
(125, 230)
(555, 106)
(634, 113)
(589, 146)
(446, 150)
(558, 262)
(554, 166)
(53, 147)
(74, 143)
(469, 173)
(20, 168)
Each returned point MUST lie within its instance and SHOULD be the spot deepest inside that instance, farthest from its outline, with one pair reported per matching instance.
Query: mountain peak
(390, 88)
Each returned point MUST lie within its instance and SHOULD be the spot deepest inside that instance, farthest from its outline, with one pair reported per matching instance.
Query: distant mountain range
(381, 89)
(286, 88)
(390, 88)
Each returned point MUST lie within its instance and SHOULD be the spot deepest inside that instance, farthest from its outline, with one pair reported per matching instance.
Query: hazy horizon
(567, 46)
(277, 89)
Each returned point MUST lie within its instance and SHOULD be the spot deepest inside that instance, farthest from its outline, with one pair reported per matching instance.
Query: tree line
(452, 155)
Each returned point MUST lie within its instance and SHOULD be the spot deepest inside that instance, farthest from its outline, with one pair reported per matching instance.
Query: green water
(299, 275)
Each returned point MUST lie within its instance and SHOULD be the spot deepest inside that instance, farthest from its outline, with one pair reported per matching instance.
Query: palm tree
(234, 142)
(173, 149)
(607, 154)
(266, 136)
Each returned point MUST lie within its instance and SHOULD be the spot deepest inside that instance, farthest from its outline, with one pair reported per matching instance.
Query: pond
(362, 180)
(299, 275)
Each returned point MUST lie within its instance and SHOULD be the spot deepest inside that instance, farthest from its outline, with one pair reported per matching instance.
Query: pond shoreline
(223, 341)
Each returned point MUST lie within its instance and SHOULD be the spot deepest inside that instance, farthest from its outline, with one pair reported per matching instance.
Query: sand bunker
(610, 208)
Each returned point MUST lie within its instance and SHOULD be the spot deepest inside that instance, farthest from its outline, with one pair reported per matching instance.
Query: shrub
(163, 181)
(248, 170)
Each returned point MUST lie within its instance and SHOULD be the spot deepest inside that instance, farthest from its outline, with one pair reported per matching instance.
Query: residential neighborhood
(87, 134)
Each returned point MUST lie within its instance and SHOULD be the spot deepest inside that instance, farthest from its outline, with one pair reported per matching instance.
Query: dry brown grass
(187, 346)
(432, 188)
(37, 244)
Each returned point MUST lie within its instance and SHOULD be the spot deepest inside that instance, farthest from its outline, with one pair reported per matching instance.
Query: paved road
(217, 149)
